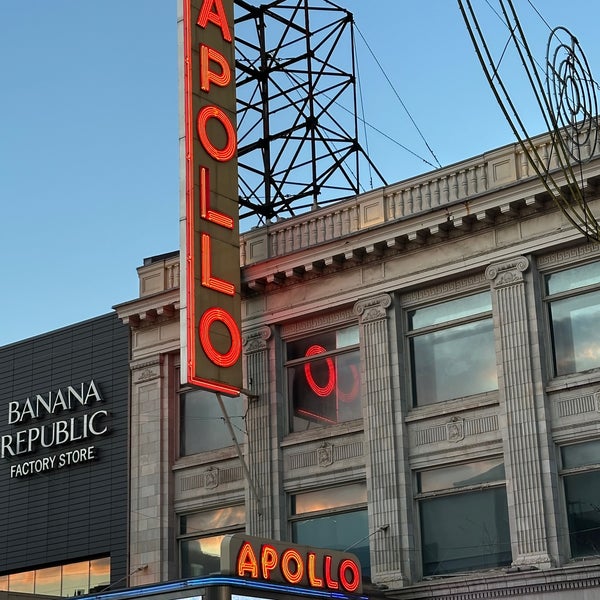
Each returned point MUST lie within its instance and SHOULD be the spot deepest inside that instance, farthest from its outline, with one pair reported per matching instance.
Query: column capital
(507, 272)
(255, 340)
(373, 309)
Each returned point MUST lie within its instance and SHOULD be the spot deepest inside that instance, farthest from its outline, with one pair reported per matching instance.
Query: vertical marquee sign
(210, 282)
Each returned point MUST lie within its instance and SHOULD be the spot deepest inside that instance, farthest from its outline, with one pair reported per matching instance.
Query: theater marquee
(210, 282)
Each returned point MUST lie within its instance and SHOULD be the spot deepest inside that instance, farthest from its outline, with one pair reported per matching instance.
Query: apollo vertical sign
(211, 306)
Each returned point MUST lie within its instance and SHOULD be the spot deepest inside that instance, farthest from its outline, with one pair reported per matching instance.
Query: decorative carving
(455, 429)
(255, 340)
(444, 289)
(325, 455)
(373, 309)
(508, 272)
(211, 478)
(146, 371)
(317, 322)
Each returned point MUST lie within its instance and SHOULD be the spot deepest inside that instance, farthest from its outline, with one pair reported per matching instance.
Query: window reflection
(202, 426)
(48, 581)
(22, 582)
(72, 579)
(341, 523)
(99, 574)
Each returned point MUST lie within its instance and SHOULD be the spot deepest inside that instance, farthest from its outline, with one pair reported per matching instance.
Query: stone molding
(507, 272)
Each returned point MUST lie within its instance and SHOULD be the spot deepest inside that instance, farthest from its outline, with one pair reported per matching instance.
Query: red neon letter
(206, 75)
(332, 584)
(228, 151)
(314, 386)
(217, 17)
(213, 283)
(246, 562)
(312, 577)
(231, 356)
(292, 576)
(268, 560)
(350, 585)
(214, 216)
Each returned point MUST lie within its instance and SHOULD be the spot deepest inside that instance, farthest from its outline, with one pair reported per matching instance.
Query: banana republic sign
(35, 427)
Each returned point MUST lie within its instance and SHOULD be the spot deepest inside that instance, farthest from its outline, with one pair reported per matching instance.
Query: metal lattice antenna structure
(297, 119)
(565, 93)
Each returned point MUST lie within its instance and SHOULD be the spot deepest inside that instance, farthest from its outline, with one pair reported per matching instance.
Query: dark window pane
(579, 455)
(201, 557)
(325, 391)
(575, 323)
(337, 532)
(202, 426)
(326, 341)
(464, 532)
(582, 494)
(454, 362)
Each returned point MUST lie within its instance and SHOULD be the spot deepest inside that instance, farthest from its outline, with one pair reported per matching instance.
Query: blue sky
(89, 161)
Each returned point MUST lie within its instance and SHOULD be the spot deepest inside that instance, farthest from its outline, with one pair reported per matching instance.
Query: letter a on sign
(211, 345)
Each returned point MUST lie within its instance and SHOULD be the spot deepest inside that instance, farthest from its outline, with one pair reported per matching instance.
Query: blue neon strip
(219, 580)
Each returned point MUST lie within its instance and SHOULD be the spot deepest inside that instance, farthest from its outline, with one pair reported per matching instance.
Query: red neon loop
(229, 358)
(214, 112)
(314, 386)
(350, 585)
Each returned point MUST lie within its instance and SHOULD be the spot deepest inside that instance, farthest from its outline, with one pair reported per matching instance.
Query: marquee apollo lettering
(71, 428)
(293, 564)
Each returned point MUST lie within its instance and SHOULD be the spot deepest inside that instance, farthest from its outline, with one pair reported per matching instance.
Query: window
(574, 306)
(323, 373)
(581, 479)
(72, 579)
(464, 518)
(202, 425)
(452, 350)
(334, 518)
(200, 536)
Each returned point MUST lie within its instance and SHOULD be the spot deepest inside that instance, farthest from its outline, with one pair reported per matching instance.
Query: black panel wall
(78, 511)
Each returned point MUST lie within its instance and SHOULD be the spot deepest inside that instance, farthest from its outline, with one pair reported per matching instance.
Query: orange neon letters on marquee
(296, 566)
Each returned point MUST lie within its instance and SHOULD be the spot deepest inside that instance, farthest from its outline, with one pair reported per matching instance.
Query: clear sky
(89, 161)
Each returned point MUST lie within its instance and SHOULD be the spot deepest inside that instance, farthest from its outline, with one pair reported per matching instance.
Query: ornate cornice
(255, 340)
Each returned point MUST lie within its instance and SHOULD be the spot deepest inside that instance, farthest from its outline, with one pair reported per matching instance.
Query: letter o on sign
(213, 112)
(349, 575)
(229, 358)
(295, 573)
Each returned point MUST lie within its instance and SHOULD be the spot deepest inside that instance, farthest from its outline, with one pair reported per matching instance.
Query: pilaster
(259, 511)
(521, 438)
(382, 470)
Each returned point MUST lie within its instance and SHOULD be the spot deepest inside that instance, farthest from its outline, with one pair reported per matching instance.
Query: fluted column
(380, 435)
(522, 437)
(259, 517)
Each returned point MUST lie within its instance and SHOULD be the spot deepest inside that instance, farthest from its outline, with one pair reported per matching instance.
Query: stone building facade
(422, 376)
